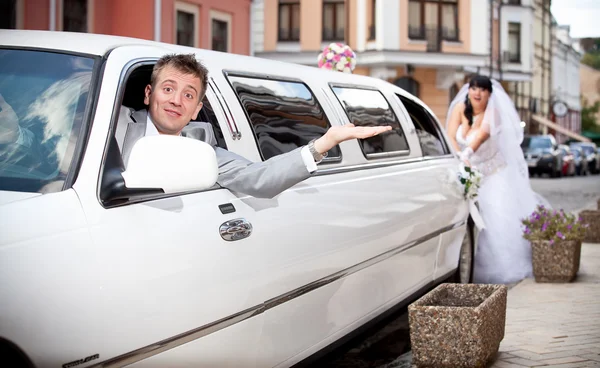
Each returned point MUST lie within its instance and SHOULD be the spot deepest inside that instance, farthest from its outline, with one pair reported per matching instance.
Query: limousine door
(345, 244)
(165, 287)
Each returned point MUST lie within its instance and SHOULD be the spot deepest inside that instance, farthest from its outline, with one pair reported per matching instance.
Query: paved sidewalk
(555, 325)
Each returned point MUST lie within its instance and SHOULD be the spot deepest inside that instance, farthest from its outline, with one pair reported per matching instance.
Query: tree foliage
(589, 114)
(591, 47)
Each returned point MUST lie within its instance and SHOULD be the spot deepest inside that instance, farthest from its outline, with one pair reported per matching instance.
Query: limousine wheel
(464, 272)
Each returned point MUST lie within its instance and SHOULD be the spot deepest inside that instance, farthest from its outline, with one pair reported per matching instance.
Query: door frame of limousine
(167, 286)
(350, 281)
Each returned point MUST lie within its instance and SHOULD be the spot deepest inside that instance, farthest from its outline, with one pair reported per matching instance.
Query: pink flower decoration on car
(337, 56)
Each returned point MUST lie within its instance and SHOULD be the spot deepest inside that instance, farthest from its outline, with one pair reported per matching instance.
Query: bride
(485, 130)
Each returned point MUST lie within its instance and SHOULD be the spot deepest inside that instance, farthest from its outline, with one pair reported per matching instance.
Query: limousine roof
(100, 45)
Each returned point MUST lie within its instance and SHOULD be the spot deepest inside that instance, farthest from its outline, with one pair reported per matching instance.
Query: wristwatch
(315, 154)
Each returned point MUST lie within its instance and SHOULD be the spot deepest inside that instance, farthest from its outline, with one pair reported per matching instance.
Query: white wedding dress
(505, 197)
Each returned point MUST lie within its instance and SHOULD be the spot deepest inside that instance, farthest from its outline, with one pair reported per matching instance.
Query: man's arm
(260, 179)
(271, 177)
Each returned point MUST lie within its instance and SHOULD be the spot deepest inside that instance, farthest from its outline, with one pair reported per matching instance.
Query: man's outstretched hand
(338, 134)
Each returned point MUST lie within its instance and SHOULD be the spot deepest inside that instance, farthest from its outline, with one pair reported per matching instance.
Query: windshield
(588, 150)
(42, 100)
(540, 143)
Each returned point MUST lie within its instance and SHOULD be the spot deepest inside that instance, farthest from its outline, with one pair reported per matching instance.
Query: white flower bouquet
(337, 56)
(470, 180)
(465, 184)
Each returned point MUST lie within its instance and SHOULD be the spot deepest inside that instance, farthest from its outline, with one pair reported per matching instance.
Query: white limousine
(94, 272)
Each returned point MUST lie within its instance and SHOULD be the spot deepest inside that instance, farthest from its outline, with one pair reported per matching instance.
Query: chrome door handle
(236, 229)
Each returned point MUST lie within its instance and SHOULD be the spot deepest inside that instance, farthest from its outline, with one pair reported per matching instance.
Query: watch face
(560, 109)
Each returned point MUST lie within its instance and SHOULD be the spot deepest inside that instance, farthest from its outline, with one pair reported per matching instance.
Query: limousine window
(430, 138)
(366, 107)
(43, 96)
(284, 115)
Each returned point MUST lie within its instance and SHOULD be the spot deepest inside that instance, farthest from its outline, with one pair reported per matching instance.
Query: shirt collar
(151, 128)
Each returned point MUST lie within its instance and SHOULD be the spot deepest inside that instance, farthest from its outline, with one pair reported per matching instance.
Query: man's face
(174, 101)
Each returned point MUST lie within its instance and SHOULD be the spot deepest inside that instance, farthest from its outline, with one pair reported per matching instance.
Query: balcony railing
(433, 35)
(289, 35)
(331, 34)
(511, 57)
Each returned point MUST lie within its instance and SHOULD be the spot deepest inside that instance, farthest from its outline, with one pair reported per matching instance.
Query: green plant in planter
(553, 225)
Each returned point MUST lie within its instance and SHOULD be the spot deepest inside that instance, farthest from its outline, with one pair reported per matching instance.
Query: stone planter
(457, 325)
(558, 262)
(591, 217)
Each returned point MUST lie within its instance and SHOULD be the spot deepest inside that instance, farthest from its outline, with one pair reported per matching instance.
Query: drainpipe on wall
(251, 44)
(157, 19)
(52, 23)
(491, 38)
(500, 52)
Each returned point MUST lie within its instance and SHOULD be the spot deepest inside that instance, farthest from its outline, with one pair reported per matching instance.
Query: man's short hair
(185, 63)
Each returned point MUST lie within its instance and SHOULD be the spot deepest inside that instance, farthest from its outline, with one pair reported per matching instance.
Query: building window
(75, 15)
(514, 2)
(408, 84)
(8, 14)
(334, 20)
(514, 42)
(367, 107)
(433, 20)
(289, 20)
(454, 89)
(219, 35)
(220, 31)
(284, 115)
(186, 24)
(373, 26)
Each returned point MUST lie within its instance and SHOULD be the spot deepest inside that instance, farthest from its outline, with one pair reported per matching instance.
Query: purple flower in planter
(551, 241)
(544, 226)
(569, 227)
(527, 230)
(560, 235)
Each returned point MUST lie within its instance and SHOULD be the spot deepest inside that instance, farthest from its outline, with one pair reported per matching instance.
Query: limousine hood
(8, 196)
(28, 217)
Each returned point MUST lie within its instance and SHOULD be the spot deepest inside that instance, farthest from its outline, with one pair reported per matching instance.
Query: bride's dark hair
(480, 81)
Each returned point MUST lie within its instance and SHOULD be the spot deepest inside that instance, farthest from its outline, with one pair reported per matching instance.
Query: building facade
(566, 89)
(423, 46)
(590, 86)
(512, 55)
(209, 24)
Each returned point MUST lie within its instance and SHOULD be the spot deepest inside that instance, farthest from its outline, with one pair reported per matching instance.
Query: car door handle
(235, 229)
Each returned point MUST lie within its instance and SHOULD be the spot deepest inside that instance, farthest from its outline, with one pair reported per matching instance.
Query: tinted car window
(432, 143)
(43, 102)
(366, 107)
(284, 115)
(540, 142)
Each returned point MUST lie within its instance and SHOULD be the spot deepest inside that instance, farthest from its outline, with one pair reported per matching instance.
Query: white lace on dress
(487, 158)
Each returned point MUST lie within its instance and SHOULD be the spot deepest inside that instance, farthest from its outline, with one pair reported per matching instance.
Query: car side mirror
(171, 163)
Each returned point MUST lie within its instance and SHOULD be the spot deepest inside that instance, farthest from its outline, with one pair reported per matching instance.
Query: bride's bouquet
(465, 184)
(470, 180)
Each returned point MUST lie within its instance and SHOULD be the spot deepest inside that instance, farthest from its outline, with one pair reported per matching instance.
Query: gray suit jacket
(259, 179)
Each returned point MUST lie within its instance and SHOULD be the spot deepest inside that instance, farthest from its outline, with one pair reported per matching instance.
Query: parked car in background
(105, 266)
(581, 163)
(541, 154)
(591, 155)
(568, 167)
